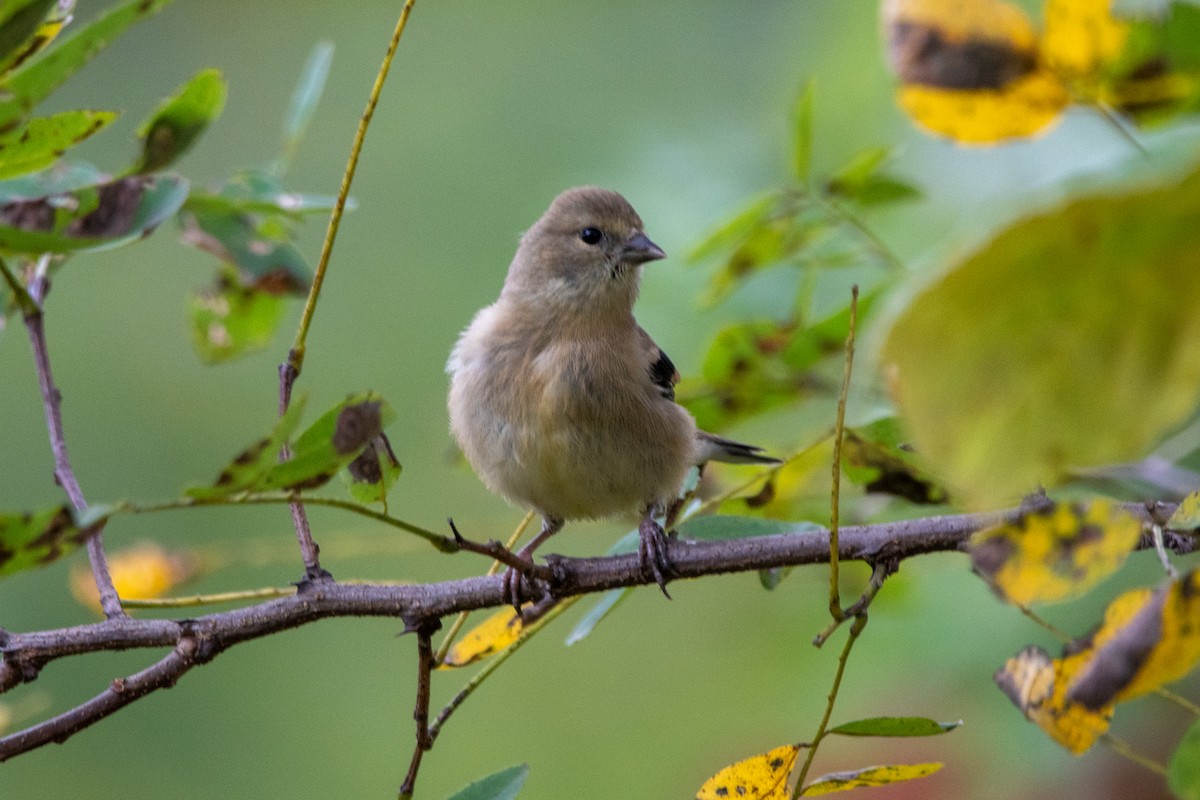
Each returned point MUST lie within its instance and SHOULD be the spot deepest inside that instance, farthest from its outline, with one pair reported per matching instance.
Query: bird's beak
(639, 249)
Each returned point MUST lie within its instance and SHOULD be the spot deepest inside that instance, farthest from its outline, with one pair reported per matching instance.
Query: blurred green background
(491, 110)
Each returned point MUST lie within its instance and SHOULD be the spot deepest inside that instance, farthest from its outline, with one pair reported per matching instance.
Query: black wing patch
(664, 375)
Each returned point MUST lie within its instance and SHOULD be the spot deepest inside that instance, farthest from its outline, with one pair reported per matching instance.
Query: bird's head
(583, 254)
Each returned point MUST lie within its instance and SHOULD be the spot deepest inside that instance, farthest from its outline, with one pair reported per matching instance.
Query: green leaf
(599, 610)
(40, 141)
(754, 366)
(869, 776)
(304, 103)
(861, 181)
(734, 230)
(294, 204)
(263, 256)
(802, 134)
(743, 374)
(859, 168)
(92, 218)
(331, 443)
(176, 124)
(27, 26)
(771, 578)
(502, 785)
(724, 526)
(1183, 773)
(895, 726)
(256, 192)
(249, 469)
(813, 343)
(610, 599)
(233, 320)
(1065, 342)
(879, 467)
(34, 80)
(33, 540)
(878, 190)
(720, 527)
(373, 473)
(61, 178)
(769, 243)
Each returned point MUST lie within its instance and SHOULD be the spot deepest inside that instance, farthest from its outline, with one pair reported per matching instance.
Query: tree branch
(201, 639)
(63, 471)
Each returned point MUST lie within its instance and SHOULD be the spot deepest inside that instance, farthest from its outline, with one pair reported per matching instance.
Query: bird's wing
(662, 370)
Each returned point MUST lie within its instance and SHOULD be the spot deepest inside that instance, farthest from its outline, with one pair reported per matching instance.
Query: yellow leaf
(970, 69)
(1025, 107)
(978, 72)
(869, 776)
(1038, 686)
(959, 23)
(1148, 639)
(1081, 37)
(144, 571)
(490, 636)
(1186, 516)
(763, 777)
(1001, 387)
(1055, 554)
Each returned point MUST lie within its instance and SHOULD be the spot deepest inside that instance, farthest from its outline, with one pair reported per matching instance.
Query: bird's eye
(591, 235)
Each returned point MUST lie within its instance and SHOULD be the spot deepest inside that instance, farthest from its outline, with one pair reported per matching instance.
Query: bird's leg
(652, 549)
(512, 576)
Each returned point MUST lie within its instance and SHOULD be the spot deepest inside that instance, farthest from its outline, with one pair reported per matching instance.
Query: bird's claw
(515, 581)
(652, 549)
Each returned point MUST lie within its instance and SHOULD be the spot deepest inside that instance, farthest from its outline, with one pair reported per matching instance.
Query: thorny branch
(200, 639)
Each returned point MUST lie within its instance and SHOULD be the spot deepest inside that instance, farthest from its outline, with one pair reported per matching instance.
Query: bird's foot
(529, 592)
(652, 549)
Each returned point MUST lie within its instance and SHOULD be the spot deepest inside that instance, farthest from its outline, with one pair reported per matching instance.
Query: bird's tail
(711, 447)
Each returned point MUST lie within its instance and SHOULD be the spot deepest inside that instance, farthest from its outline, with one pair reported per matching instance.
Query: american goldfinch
(562, 403)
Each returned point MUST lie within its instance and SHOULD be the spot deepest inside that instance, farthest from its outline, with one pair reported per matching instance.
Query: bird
(561, 402)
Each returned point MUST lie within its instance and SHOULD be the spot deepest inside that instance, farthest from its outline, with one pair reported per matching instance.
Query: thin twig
(1179, 700)
(492, 665)
(120, 693)
(295, 362)
(424, 631)
(289, 371)
(1058, 633)
(879, 573)
(839, 430)
(443, 543)
(498, 552)
(872, 239)
(456, 626)
(64, 473)
(25, 303)
(209, 599)
(856, 628)
(1123, 748)
(1156, 535)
